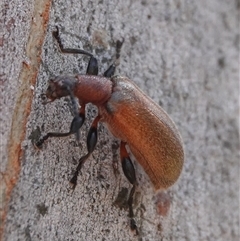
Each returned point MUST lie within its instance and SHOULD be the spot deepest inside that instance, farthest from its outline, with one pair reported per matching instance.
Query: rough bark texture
(183, 54)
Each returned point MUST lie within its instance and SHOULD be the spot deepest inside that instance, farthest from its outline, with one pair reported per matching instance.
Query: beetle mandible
(129, 114)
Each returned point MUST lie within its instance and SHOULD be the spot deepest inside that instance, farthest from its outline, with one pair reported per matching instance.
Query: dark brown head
(60, 86)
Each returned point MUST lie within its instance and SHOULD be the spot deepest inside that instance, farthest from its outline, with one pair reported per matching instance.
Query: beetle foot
(55, 33)
(38, 148)
(133, 226)
(120, 43)
(38, 144)
(73, 181)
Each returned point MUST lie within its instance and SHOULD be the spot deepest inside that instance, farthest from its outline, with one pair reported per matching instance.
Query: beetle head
(59, 87)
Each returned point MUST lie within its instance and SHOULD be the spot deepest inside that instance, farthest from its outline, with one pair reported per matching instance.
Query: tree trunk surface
(184, 55)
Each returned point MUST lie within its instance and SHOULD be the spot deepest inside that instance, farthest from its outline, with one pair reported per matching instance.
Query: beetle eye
(43, 97)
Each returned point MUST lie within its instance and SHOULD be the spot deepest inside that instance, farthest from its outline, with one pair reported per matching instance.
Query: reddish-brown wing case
(149, 132)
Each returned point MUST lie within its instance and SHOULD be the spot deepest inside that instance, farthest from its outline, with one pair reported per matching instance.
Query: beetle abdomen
(149, 132)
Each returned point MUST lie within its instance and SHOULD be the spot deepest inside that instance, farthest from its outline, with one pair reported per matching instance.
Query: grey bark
(184, 55)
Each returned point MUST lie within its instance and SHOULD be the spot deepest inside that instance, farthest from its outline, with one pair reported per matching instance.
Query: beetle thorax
(93, 89)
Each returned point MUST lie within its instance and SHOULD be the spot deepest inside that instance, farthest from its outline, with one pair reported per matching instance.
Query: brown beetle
(130, 115)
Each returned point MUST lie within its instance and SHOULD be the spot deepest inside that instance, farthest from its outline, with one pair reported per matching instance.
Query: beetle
(129, 114)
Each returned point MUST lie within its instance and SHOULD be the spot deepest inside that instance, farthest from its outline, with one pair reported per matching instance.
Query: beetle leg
(91, 143)
(129, 172)
(92, 68)
(68, 50)
(76, 124)
(110, 71)
(118, 50)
